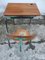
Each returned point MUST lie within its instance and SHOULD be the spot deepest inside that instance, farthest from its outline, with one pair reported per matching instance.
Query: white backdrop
(40, 4)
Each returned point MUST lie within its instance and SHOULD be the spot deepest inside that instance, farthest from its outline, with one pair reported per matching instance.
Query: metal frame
(16, 17)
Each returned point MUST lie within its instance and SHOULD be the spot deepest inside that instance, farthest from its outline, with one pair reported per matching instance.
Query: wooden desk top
(21, 9)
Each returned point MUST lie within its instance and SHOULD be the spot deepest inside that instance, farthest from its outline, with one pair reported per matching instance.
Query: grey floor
(37, 27)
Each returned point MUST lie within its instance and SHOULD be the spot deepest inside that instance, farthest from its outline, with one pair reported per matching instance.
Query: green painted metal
(20, 44)
(23, 39)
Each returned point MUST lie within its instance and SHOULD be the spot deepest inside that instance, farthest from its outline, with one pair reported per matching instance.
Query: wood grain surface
(21, 9)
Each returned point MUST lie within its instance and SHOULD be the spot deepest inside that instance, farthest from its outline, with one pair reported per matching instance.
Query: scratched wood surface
(21, 9)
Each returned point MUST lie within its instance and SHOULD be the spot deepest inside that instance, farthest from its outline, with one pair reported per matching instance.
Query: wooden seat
(21, 34)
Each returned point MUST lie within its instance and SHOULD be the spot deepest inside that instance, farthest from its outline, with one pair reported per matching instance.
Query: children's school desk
(21, 10)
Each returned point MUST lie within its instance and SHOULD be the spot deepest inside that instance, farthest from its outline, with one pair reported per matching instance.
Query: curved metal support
(30, 46)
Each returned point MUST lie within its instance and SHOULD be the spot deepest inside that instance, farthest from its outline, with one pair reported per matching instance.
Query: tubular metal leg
(13, 22)
(20, 45)
(9, 44)
(6, 25)
(30, 22)
(30, 19)
(7, 32)
(30, 46)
